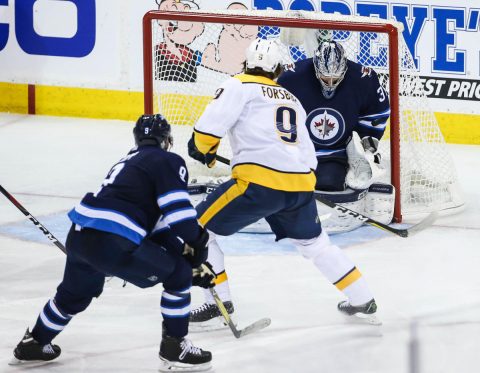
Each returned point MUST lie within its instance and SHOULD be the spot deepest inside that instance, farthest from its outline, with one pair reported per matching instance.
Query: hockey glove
(208, 159)
(194, 152)
(196, 252)
(363, 168)
(204, 276)
(370, 144)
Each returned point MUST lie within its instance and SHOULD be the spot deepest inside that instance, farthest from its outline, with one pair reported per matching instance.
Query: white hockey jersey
(266, 127)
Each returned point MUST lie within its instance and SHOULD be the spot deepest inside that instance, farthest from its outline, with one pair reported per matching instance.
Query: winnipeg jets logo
(326, 126)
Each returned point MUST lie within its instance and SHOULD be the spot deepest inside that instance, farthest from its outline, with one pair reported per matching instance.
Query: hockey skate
(207, 317)
(30, 351)
(365, 312)
(180, 355)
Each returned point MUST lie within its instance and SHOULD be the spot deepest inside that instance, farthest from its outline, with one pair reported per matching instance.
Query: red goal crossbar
(384, 28)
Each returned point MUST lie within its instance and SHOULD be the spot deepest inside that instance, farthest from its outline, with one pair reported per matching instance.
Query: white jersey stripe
(373, 116)
(172, 197)
(110, 215)
(179, 215)
(328, 152)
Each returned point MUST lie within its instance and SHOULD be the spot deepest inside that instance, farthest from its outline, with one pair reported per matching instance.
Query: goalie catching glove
(204, 276)
(363, 161)
(196, 252)
(208, 159)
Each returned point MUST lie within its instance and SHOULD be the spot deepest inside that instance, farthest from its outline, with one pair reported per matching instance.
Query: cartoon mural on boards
(174, 60)
(228, 55)
(177, 61)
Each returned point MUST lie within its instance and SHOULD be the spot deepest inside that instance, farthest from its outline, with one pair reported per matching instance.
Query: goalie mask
(330, 66)
(266, 55)
(153, 130)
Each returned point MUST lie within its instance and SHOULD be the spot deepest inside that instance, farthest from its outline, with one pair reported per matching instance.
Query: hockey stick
(257, 325)
(40, 226)
(402, 232)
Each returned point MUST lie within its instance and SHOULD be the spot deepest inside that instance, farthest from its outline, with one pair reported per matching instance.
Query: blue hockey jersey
(145, 193)
(359, 104)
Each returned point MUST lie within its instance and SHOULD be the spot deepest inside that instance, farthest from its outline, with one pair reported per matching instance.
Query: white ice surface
(48, 163)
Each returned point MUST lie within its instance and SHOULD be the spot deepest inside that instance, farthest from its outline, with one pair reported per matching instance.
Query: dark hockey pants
(92, 255)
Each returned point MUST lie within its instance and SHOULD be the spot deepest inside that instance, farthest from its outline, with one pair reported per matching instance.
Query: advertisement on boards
(98, 44)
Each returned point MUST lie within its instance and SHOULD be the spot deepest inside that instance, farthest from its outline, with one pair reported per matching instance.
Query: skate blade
(175, 366)
(217, 323)
(371, 319)
(28, 363)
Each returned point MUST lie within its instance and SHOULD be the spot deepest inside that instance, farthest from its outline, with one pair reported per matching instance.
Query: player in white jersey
(273, 177)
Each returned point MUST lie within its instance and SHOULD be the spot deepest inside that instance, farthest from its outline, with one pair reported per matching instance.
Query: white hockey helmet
(330, 65)
(265, 54)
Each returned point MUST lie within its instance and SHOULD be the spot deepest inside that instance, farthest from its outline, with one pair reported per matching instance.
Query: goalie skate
(30, 352)
(180, 355)
(207, 317)
(365, 312)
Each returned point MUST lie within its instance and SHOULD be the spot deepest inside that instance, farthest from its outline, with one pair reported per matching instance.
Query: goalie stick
(402, 232)
(260, 324)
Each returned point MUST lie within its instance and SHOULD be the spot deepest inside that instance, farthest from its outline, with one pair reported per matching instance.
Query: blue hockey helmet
(153, 129)
(330, 65)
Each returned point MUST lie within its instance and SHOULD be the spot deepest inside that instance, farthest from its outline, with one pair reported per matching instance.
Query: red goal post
(292, 20)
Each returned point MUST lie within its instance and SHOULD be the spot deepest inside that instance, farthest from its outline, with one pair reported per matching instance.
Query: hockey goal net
(187, 55)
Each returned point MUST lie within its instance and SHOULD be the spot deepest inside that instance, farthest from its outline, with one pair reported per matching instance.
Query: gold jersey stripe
(348, 279)
(205, 142)
(221, 277)
(229, 195)
(274, 179)
(247, 78)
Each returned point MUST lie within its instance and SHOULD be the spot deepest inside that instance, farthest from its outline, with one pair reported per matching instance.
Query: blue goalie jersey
(359, 104)
(145, 193)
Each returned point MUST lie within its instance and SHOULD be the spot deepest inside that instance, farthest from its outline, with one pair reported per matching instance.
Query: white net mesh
(192, 58)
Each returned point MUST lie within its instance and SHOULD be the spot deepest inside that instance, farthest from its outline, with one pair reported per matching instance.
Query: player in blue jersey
(347, 111)
(129, 229)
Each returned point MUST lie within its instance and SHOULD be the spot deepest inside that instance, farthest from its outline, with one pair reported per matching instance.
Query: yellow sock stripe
(221, 277)
(229, 195)
(348, 279)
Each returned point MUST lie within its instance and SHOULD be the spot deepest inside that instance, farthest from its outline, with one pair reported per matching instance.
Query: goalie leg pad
(339, 222)
(380, 202)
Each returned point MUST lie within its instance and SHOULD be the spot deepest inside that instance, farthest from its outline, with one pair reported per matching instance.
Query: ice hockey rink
(427, 286)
